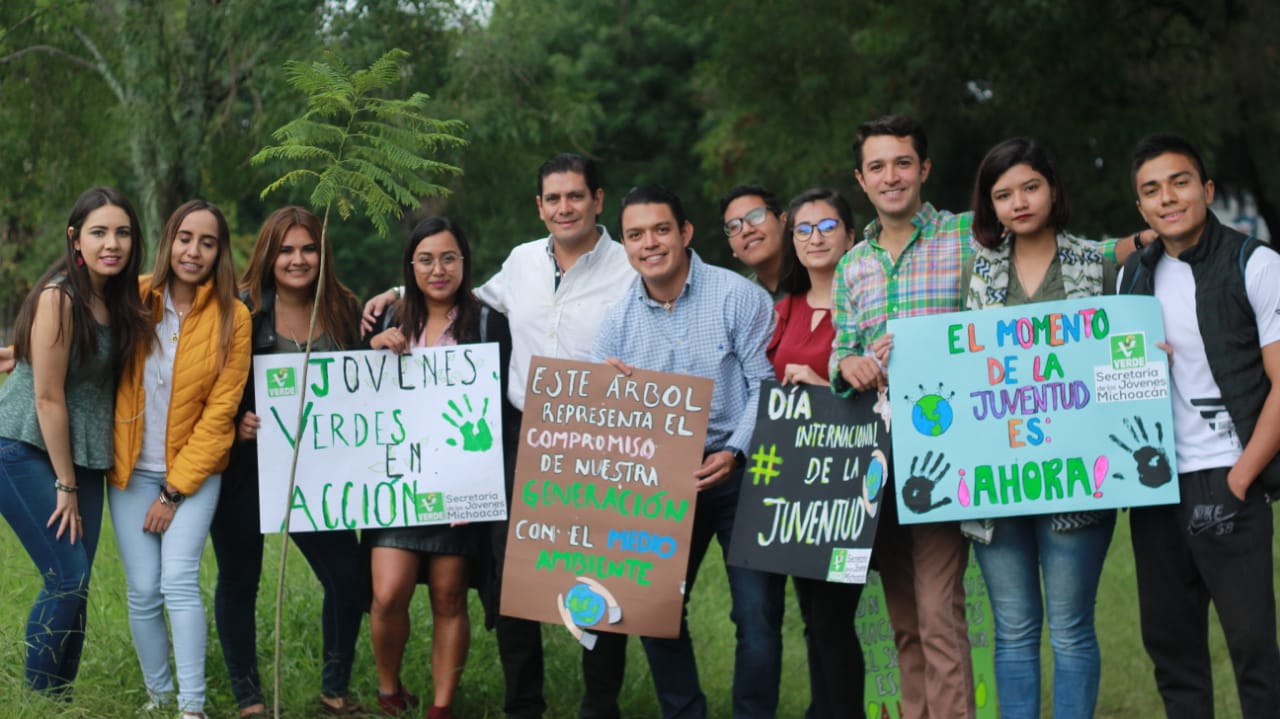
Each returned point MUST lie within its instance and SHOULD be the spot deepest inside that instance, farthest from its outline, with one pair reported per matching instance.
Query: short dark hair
(895, 125)
(569, 162)
(652, 195)
(1157, 144)
(769, 199)
(794, 277)
(987, 229)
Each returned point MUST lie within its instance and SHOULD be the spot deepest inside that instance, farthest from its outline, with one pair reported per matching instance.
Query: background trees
(169, 98)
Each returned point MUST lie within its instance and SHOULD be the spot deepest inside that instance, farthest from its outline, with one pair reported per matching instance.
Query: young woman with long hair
(819, 231)
(1020, 213)
(175, 421)
(280, 288)
(438, 308)
(82, 316)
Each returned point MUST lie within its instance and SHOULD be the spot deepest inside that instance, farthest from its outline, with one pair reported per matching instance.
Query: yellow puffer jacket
(204, 400)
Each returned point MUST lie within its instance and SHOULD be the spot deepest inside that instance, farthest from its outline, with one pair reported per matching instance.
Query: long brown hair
(129, 327)
(338, 306)
(223, 276)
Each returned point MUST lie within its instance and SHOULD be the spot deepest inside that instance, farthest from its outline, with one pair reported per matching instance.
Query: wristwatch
(171, 499)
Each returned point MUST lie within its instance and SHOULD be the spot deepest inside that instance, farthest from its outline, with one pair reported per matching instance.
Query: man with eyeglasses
(555, 292)
(681, 315)
(754, 223)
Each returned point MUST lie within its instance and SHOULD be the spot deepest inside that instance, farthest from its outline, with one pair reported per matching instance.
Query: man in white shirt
(1220, 292)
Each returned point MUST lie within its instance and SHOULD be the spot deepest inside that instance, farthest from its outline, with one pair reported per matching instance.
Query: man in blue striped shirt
(683, 316)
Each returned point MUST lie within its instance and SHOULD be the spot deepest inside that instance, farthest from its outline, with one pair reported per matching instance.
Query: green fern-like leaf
(366, 152)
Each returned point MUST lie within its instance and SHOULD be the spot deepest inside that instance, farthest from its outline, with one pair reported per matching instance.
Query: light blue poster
(1049, 407)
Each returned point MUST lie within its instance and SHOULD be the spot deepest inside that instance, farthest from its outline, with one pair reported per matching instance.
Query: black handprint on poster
(1153, 463)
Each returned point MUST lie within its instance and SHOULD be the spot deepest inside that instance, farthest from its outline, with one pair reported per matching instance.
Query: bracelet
(1137, 240)
(69, 488)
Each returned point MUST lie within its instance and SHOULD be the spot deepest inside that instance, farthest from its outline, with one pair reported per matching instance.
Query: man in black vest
(1220, 292)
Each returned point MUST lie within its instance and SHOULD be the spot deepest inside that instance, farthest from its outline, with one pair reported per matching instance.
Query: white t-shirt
(1205, 435)
(549, 321)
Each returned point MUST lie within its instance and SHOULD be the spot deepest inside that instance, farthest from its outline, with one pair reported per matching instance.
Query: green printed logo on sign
(839, 557)
(430, 506)
(281, 382)
(1128, 351)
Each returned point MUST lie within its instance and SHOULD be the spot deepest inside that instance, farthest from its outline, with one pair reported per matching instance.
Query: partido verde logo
(281, 382)
(1128, 350)
(430, 506)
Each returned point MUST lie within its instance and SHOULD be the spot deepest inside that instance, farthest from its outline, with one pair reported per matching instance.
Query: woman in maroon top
(819, 232)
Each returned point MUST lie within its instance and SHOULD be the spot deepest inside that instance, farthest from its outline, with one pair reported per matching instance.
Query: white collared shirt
(555, 322)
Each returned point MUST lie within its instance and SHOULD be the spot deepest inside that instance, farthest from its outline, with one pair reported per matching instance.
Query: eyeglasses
(755, 218)
(804, 230)
(425, 263)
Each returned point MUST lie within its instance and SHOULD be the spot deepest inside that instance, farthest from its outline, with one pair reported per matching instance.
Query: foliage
(169, 98)
(371, 152)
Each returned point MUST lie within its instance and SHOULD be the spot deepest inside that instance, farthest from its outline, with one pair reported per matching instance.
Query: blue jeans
(1021, 550)
(162, 572)
(336, 559)
(757, 599)
(55, 627)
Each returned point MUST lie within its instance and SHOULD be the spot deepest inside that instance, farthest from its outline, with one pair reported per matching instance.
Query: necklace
(293, 338)
(173, 338)
(669, 305)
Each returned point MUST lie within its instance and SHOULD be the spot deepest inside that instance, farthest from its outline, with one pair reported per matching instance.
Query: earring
(79, 259)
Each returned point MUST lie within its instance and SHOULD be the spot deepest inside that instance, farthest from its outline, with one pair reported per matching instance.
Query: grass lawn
(110, 684)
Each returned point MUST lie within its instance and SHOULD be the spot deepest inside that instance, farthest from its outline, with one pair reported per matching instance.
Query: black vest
(1227, 323)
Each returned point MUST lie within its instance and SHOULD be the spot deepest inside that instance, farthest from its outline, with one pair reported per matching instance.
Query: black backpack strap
(1132, 268)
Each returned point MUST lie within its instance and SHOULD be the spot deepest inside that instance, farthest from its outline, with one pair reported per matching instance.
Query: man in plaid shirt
(909, 265)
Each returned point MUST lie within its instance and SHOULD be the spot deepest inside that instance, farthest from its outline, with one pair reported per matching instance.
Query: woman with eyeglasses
(438, 309)
(819, 232)
(1020, 212)
(175, 421)
(81, 318)
(281, 287)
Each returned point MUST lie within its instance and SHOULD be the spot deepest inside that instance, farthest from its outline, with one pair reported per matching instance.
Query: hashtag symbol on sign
(764, 467)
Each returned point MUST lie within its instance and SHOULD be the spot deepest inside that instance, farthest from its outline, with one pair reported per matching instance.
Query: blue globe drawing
(931, 415)
(585, 606)
(875, 479)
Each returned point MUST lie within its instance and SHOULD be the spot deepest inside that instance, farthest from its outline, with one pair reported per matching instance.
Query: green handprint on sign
(476, 435)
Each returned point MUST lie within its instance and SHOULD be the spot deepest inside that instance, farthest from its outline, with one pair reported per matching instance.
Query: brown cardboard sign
(603, 504)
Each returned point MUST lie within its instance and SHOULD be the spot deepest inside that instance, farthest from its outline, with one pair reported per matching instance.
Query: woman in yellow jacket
(175, 410)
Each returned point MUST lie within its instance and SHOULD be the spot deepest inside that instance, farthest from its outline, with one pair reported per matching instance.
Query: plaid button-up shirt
(871, 287)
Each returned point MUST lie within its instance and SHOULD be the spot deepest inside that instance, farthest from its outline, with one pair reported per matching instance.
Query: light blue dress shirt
(718, 328)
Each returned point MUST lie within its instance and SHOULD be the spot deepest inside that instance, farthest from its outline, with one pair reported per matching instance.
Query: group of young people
(144, 380)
